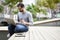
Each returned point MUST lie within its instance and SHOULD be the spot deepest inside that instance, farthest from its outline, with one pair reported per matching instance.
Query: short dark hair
(20, 4)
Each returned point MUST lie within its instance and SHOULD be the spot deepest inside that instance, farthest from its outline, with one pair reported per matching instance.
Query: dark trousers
(17, 28)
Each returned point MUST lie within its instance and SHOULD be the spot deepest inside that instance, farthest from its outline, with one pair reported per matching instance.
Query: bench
(39, 33)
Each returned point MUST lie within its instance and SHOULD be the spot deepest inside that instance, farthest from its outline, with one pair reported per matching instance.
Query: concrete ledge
(3, 28)
(47, 21)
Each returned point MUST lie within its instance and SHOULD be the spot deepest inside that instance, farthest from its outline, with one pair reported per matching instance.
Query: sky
(26, 2)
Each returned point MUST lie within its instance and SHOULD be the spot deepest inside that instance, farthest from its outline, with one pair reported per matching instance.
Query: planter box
(3, 35)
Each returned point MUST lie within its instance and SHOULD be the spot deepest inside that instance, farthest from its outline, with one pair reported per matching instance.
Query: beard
(21, 10)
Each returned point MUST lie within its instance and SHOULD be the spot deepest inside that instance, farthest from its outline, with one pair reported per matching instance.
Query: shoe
(20, 35)
(8, 35)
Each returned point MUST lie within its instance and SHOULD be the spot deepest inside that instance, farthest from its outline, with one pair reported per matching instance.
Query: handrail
(46, 21)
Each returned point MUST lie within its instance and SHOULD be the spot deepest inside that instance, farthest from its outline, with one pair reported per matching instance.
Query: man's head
(20, 7)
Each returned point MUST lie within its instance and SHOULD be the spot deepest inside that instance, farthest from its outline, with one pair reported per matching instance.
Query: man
(24, 17)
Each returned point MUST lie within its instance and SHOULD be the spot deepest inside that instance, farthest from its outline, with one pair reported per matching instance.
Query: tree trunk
(53, 13)
(10, 13)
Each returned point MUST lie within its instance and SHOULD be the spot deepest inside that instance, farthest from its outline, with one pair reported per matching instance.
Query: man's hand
(24, 22)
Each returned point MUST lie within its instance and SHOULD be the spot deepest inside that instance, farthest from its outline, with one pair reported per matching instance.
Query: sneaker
(8, 35)
(20, 35)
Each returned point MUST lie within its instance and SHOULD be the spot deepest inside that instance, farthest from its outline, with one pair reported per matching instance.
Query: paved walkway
(40, 33)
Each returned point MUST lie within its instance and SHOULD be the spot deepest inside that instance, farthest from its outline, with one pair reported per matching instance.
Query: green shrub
(1, 8)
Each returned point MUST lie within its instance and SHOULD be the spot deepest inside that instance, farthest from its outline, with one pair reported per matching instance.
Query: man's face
(21, 9)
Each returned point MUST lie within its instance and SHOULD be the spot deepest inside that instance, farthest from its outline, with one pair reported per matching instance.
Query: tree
(11, 4)
(33, 9)
(49, 4)
(52, 4)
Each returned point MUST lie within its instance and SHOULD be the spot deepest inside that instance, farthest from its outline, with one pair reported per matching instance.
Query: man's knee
(21, 28)
(11, 27)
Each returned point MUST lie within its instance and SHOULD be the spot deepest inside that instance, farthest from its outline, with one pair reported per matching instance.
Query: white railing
(45, 21)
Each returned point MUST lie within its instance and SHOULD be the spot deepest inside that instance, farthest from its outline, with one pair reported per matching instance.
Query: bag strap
(18, 18)
(27, 19)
